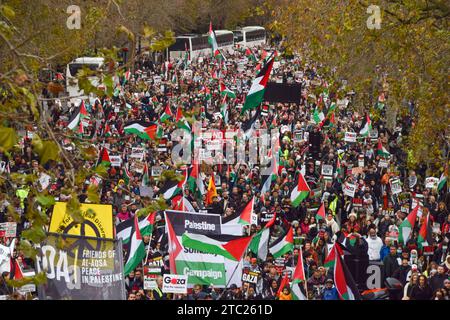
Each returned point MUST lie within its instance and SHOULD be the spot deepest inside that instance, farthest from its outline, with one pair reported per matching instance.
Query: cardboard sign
(250, 276)
(350, 137)
(116, 161)
(8, 229)
(396, 187)
(327, 170)
(174, 283)
(431, 182)
(349, 189)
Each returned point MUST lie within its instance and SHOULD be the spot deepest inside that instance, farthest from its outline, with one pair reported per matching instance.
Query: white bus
(198, 45)
(74, 92)
(251, 36)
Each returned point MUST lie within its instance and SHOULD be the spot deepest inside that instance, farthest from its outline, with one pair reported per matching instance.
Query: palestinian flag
(230, 247)
(331, 109)
(224, 91)
(79, 113)
(425, 237)
(381, 151)
(345, 284)
(136, 251)
(299, 278)
(443, 179)
(146, 224)
(212, 192)
(126, 77)
(284, 283)
(407, 225)
(260, 242)
(144, 130)
(205, 92)
(331, 257)
(300, 192)
(249, 54)
(180, 203)
(170, 189)
(16, 271)
(195, 182)
(107, 131)
(146, 176)
(249, 126)
(256, 94)
(283, 244)
(320, 214)
(224, 109)
(267, 179)
(104, 158)
(246, 214)
(181, 121)
(213, 43)
(366, 127)
(167, 114)
(318, 117)
(339, 171)
(127, 176)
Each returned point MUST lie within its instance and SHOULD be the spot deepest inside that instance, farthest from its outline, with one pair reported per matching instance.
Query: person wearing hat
(330, 291)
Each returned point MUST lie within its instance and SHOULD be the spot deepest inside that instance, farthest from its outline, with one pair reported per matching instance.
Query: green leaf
(92, 194)
(8, 138)
(46, 201)
(7, 11)
(101, 170)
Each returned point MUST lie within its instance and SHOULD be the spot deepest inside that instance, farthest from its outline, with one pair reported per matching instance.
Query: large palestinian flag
(213, 43)
(320, 214)
(256, 94)
(260, 242)
(246, 214)
(79, 113)
(381, 151)
(406, 227)
(366, 127)
(345, 284)
(249, 126)
(443, 179)
(171, 188)
(425, 237)
(104, 158)
(125, 228)
(230, 247)
(224, 91)
(144, 130)
(299, 280)
(283, 244)
(300, 192)
(331, 257)
(136, 251)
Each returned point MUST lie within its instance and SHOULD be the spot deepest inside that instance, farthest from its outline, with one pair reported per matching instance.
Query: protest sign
(250, 276)
(98, 221)
(44, 180)
(116, 161)
(137, 166)
(349, 189)
(199, 223)
(396, 187)
(213, 145)
(80, 268)
(431, 182)
(137, 153)
(174, 283)
(8, 229)
(361, 160)
(327, 170)
(156, 171)
(383, 163)
(151, 273)
(350, 137)
(187, 74)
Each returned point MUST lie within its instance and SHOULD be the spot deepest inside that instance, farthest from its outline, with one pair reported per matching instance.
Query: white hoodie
(374, 249)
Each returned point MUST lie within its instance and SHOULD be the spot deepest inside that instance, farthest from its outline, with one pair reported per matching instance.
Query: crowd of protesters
(372, 216)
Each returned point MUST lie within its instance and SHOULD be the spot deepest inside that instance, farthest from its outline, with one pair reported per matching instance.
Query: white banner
(431, 182)
(174, 283)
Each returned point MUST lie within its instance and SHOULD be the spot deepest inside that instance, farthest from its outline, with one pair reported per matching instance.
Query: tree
(407, 59)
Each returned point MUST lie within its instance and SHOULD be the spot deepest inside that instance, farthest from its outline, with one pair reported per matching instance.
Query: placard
(431, 182)
(187, 74)
(396, 187)
(327, 170)
(137, 153)
(361, 160)
(350, 137)
(156, 171)
(349, 189)
(214, 145)
(44, 180)
(383, 163)
(137, 166)
(174, 283)
(151, 273)
(250, 276)
(116, 161)
(8, 229)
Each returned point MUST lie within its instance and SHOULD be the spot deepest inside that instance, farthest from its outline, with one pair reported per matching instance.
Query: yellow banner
(98, 221)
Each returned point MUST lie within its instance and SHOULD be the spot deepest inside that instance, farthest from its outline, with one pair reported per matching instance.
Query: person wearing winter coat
(421, 291)
(401, 273)
(390, 262)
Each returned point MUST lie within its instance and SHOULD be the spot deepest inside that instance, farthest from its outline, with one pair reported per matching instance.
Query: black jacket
(390, 265)
(419, 293)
